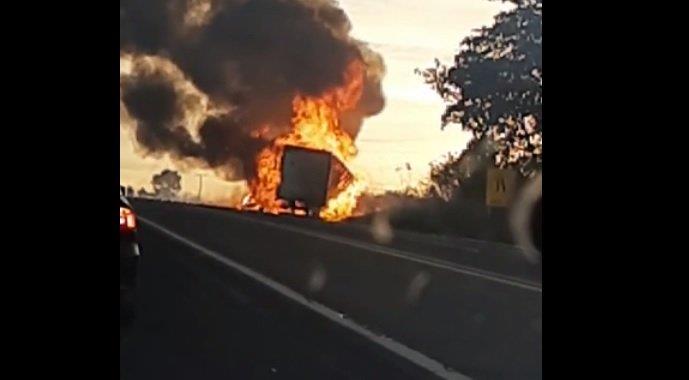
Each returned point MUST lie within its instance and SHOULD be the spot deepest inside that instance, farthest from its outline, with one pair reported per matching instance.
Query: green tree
(494, 89)
(466, 169)
(167, 184)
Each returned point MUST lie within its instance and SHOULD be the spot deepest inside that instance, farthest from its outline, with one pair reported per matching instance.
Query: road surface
(235, 295)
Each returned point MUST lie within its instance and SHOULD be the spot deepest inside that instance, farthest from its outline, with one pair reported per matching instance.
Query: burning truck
(309, 178)
(305, 169)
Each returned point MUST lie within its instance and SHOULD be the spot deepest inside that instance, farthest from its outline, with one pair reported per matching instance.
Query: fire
(315, 124)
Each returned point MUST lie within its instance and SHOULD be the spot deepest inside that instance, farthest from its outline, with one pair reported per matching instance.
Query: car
(129, 259)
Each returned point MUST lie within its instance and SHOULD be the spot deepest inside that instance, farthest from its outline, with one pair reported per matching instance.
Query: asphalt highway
(225, 295)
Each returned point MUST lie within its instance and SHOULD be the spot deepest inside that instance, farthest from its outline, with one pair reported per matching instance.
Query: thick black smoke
(250, 55)
(153, 102)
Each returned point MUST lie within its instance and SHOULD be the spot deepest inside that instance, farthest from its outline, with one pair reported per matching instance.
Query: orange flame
(315, 124)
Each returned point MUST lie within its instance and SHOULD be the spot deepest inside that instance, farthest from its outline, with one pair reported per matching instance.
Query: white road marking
(433, 262)
(413, 356)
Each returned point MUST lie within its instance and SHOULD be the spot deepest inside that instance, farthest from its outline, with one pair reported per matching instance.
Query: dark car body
(129, 259)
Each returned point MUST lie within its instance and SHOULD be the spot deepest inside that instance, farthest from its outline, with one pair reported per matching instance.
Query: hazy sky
(408, 35)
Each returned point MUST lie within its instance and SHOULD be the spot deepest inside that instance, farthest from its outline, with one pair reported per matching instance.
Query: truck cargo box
(307, 175)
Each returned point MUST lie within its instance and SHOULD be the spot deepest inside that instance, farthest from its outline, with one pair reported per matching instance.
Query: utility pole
(200, 185)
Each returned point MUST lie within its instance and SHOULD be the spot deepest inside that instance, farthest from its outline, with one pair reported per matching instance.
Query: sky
(409, 35)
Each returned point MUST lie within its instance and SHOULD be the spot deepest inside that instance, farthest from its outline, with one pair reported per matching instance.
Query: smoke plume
(211, 82)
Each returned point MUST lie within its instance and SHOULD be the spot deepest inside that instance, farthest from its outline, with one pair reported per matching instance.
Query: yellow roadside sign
(500, 187)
